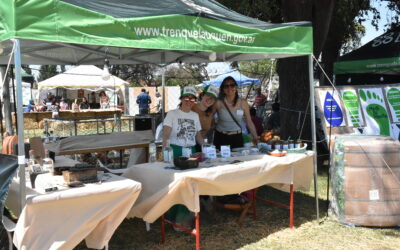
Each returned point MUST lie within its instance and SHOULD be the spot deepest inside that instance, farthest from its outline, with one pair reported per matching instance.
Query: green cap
(188, 91)
(211, 90)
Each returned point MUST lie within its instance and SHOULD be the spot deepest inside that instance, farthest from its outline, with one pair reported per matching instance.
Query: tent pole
(313, 131)
(20, 128)
(163, 86)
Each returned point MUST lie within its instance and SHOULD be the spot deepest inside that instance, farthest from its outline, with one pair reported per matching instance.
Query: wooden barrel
(372, 182)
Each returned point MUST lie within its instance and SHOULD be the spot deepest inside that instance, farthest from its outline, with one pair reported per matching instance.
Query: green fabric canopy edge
(56, 21)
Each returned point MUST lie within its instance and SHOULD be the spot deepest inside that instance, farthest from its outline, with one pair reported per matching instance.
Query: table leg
(121, 158)
(291, 206)
(254, 203)
(162, 229)
(197, 235)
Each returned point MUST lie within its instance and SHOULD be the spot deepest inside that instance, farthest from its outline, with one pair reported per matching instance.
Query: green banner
(366, 66)
(57, 21)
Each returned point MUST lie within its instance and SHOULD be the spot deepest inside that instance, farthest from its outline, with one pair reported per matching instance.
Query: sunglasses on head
(225, 86)
(192, 99)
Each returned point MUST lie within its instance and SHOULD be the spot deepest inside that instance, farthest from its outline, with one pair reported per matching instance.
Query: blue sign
(332, 111)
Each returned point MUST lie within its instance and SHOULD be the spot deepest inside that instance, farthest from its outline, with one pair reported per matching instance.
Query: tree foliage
(261, 69)
(47, 71)
(137, 74)
(185, 74)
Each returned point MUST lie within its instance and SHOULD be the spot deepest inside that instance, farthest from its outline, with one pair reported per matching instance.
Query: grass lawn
(269, 231)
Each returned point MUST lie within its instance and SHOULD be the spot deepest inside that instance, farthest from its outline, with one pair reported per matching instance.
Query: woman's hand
(255, 140)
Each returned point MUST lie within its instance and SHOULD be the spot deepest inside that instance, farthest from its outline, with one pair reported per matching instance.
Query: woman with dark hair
(205, 108)
(231, 110)
(104, 100)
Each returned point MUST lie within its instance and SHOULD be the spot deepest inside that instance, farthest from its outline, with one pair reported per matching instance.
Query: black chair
(8, 167)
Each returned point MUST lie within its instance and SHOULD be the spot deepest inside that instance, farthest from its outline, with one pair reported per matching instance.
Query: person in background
(259, 103)
(48, 100)
(256, 121)
(31, 106)
(84, 104)
(158, 103)
(143, 100)
(274, 119)
(104, 100)
(93, 103)
(63, 104)
(182, 128)
(41, 107)
(54, 108)
(231, 110)
(205, 108)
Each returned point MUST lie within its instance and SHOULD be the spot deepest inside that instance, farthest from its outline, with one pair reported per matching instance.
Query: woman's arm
(249, 122)
(199, 138)
(166, 134)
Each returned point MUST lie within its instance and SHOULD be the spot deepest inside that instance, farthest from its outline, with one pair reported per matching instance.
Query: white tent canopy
(82, 77)
(86, 77)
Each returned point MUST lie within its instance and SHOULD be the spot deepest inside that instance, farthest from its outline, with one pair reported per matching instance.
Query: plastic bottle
(168, 153)
(204, 148)
(48, 163)
(152, 152)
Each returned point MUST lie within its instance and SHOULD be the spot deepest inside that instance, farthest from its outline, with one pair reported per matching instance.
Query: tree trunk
(293, 72)
(6, 101)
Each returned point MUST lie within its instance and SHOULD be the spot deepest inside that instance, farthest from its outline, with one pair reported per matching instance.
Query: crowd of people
(56, 103)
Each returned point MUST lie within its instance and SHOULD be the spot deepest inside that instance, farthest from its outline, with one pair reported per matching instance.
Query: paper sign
(374, 194)
(374, 108)
(226, 151)
(393, 98)
(333, 113)
(211, 152)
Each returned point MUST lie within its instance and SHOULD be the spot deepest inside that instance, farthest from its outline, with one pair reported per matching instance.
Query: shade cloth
(94, 143)
(163, 188)
(239, 78)
(62, 219)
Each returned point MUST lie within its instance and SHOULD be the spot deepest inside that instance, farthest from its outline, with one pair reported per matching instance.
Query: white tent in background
(86, 77)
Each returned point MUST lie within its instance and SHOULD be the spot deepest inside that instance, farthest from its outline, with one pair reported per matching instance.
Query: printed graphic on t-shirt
(186, 130)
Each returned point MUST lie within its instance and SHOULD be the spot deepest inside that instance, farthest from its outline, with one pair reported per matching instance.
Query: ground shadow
(219, 230)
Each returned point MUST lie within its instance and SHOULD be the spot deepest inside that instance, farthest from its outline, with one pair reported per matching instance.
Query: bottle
(204, 148)
(33, 163)
(152, 152)
(298, 144)
(168, 153)
(186, 150)
(48, 163)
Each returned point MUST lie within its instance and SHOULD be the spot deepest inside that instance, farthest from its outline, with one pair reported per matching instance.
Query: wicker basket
(297, 150)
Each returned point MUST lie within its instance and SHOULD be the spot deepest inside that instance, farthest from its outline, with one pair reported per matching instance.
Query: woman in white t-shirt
(182, 126)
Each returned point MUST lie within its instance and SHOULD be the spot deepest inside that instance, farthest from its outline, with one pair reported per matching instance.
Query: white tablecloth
(162, 188)
(62, 219)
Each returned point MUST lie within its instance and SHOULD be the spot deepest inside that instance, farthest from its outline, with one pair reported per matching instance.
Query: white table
(162, 188)
(62, 219)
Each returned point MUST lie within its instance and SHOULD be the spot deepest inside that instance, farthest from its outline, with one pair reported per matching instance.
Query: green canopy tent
(72, 32)
(375, 62)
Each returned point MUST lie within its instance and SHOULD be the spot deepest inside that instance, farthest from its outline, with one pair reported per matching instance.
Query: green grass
(269, 231)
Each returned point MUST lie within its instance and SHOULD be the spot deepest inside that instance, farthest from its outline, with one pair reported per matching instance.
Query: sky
(371, 33)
